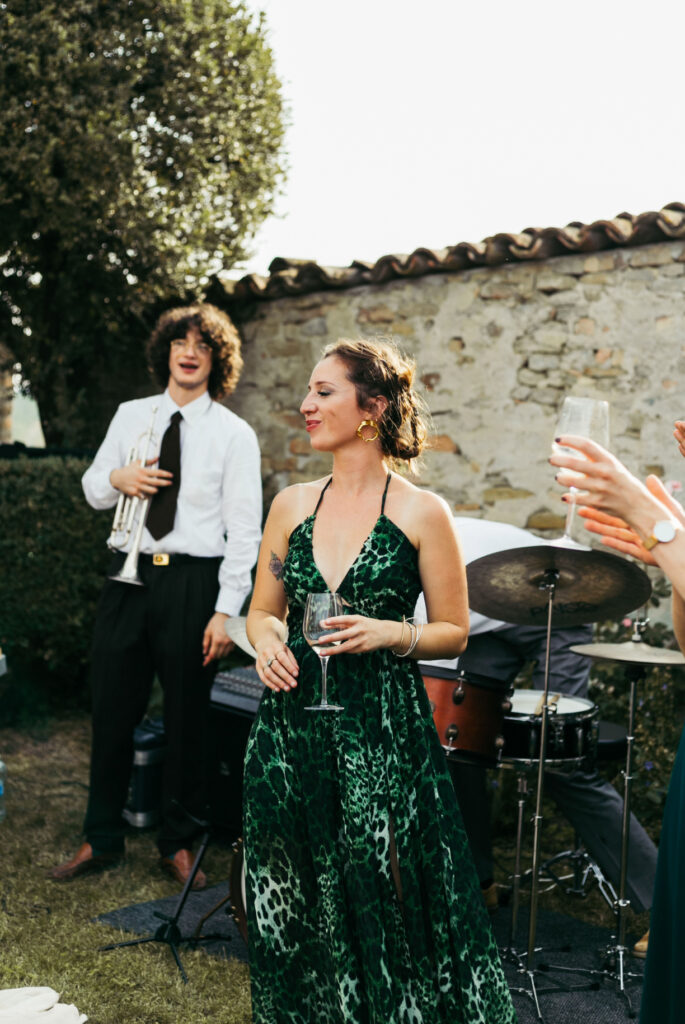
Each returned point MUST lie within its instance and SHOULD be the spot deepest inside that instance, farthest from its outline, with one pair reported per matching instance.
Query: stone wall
(497, 349)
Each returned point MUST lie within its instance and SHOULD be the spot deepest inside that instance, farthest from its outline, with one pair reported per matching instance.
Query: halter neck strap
(323, 491)
(328, 484)
(385, 494)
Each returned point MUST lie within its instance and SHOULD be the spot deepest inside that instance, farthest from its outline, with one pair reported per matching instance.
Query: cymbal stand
(510, 952)
(526, 964)
(614, 956)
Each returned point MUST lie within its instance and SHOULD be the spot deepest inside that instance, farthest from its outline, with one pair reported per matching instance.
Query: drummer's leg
(595, 810)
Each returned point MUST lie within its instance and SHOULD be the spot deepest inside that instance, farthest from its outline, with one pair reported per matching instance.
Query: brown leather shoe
(640, 947)
(179, 867)
(85, 862)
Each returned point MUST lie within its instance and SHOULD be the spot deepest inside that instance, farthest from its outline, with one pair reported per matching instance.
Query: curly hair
(216, 330)
(378, 367)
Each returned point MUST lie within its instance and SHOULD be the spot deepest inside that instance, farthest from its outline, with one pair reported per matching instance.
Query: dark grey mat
(567, 943)
(141, 918)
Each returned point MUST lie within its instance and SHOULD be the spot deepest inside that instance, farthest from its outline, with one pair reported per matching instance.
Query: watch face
(664, 531)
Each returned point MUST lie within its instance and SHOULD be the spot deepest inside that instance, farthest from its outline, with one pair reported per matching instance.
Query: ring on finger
(269, 662)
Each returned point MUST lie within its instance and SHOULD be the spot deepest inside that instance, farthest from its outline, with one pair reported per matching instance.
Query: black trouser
(140, 631)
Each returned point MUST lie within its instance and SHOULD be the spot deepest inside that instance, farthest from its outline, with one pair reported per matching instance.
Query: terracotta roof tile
(298, 277)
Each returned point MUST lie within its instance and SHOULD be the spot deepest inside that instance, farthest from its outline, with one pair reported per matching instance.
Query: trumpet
(125, 514)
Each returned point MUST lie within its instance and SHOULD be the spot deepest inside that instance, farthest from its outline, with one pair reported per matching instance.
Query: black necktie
(160, 520)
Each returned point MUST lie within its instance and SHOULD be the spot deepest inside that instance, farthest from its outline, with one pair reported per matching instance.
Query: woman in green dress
(362, 900)
(644, 521)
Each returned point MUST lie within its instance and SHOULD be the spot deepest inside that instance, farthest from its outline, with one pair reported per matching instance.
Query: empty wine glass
(585, 417)
(318, 607)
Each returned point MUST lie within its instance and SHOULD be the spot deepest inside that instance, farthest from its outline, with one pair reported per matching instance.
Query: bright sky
(431, 122)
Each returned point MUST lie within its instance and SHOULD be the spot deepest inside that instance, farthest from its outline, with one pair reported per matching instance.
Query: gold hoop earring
(368, 423)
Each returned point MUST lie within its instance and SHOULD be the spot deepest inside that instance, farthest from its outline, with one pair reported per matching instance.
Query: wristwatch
(663, 531)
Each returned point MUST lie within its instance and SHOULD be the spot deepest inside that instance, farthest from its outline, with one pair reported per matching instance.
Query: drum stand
(614, 956)
(526, 962)
(510, 952)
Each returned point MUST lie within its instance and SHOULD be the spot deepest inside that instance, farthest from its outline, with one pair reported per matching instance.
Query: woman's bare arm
(276, 665)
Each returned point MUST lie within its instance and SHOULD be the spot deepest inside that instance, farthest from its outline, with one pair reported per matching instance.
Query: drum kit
(528, 730)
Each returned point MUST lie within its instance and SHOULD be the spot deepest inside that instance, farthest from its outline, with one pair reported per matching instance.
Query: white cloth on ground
(36, 1006)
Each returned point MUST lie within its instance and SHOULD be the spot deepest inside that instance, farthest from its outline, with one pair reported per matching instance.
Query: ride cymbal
(589, 585)
(632, 651)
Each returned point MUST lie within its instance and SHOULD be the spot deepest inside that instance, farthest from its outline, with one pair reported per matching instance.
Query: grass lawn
(48, 935)
(47, 932)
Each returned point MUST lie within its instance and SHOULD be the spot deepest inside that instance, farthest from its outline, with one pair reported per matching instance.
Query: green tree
(141, 146)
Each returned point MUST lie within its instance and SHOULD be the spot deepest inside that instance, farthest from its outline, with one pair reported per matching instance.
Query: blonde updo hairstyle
(378, 367)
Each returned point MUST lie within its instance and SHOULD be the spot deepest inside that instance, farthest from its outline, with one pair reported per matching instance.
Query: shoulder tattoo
(276, 565)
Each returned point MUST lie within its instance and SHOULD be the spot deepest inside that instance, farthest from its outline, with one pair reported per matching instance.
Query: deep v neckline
(362, 548)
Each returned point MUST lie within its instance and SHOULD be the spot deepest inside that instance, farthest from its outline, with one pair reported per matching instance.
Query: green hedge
(52, 560)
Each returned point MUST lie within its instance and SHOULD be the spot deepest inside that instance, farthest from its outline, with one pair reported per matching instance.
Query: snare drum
(468, 716)
(572, 727)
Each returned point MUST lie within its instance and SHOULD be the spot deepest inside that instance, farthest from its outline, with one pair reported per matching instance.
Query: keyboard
(240, 689)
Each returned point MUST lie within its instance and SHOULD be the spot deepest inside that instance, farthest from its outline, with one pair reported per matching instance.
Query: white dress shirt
(219, 510)
(480, 537)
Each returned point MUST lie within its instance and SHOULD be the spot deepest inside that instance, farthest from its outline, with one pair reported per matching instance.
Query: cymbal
(633, 651)
(590, 585)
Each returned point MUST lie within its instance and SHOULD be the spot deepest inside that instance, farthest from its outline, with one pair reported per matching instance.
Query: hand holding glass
(585, 417)
(318, 607)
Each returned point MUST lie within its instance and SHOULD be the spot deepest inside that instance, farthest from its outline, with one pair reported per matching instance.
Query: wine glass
(318, 607)
(586, 417)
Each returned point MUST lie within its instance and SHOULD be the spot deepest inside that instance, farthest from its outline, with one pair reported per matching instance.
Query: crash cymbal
(633, 651)
(590, 585)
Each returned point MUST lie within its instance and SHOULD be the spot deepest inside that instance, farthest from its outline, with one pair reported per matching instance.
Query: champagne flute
(318, 607)
(586, 417)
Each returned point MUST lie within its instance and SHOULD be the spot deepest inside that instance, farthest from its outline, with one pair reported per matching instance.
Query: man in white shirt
(199, 544)
(495, 654)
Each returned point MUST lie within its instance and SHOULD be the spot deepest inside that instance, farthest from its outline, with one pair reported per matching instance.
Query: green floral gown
(327, 797)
